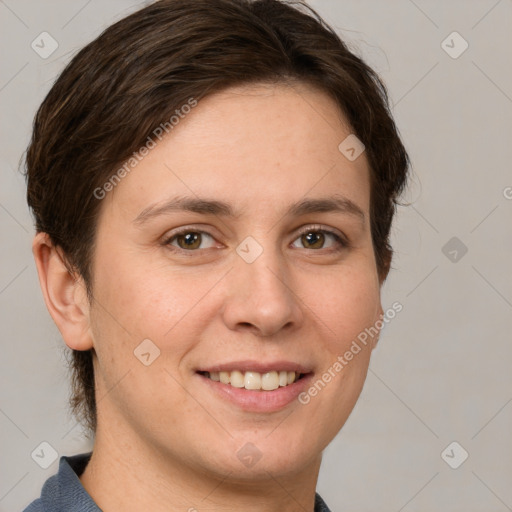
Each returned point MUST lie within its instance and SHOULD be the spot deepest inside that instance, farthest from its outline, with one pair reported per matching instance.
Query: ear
(64, 294)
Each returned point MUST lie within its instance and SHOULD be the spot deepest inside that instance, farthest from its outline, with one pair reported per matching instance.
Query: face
(217, 250)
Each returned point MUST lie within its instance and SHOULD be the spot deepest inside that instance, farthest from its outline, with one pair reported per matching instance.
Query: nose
(261, 297)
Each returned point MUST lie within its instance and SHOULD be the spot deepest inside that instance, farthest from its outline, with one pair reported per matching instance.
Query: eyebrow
(336, 203)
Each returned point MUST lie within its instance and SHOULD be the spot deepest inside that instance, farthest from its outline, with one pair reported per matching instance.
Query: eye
(314, 237)
(311, 237)
(189, 240)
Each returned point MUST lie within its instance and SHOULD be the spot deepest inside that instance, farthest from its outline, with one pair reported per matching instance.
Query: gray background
(441, 372)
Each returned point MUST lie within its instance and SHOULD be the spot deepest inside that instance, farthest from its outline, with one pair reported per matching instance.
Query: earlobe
(64, 294)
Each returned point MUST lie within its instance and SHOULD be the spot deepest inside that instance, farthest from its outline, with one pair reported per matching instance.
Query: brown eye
(313, 240)
(189, 240)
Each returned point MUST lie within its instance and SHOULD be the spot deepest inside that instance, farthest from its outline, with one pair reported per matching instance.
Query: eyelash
(339, 240)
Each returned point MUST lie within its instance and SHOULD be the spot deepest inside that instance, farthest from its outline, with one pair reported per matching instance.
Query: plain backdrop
(440, 382)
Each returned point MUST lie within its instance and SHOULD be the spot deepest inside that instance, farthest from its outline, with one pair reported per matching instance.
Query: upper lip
(256, 366)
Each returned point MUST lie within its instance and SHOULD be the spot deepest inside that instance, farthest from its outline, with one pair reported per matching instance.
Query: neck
(124, 473)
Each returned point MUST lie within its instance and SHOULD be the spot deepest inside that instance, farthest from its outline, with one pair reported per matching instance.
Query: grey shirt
(64, 492)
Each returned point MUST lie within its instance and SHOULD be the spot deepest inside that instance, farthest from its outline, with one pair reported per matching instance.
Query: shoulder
(35, 506)
(320, 505)
(49, 495)
(64, 491)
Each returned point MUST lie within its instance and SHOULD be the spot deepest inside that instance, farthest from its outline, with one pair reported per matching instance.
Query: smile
(253, 380)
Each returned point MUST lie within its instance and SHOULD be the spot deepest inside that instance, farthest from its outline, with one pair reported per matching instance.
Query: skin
(164, 441)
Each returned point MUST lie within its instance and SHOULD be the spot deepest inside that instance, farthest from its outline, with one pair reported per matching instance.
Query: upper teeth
(254, 380)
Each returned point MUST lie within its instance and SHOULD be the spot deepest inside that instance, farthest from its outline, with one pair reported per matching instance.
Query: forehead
(260, 144)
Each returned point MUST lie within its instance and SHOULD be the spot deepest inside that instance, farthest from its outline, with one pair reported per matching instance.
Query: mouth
(253, 380)
(254, 386)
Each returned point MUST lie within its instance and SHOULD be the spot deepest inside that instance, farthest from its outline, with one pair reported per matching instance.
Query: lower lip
(258, 401)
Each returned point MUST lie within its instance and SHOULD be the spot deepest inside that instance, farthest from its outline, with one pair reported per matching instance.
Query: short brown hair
(119, 88)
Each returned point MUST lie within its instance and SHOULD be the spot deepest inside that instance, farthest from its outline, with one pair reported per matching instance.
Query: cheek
(136, 301)
(345, 309)
(133, 305)
(344, 304)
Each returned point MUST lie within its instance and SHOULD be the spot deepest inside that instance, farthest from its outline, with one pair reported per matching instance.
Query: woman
(213, 184)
